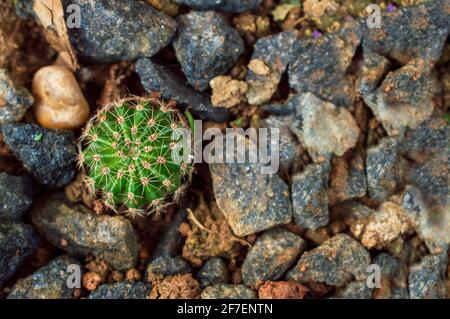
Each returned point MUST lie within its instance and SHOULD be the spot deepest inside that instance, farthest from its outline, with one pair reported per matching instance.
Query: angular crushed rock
(223, 291)
(48, 282)
(81, 232)
(48, 155)
(232, 6)
(335, 262)
(427, 278)
(16, 196)
(14, 100)
(168, 266)
(355, 290)
(393, 278)
(323, 128)
(309, 193)
(206, 46)
(122, 290)
(114, 31)
(269, 258)
(156, 78)
(17, 242)
(238, 189)
(271, 57)
(214, 271)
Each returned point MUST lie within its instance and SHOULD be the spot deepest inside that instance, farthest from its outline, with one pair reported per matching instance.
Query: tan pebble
(259, 67)
(59, 102)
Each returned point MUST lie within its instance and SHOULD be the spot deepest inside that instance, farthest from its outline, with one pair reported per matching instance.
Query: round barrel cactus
(132, 155)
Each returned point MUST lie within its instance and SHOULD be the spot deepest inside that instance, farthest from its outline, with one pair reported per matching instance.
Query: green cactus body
(129, 155)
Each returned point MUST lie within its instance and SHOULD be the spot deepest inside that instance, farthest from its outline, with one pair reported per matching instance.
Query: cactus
(128, 155)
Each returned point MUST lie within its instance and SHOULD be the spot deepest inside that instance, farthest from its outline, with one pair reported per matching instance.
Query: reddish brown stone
(282, 290)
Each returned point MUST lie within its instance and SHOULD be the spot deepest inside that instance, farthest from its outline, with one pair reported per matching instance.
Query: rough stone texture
(48, 282)
(223, 291)
(427, 278)
(412, 32)
(227, 92)
(383, 169)
(17, 242)
(122, 290)
(380, 228)
(119, 30)
(170, 240)
(323, 128)
(238, 188)
(48, 155)
(206, 46)
(373, 70)
(319, 67)
(16, 196)
(233, 6)
(14, 100)
(288, 145)
(355, 290)
(335, 262)
(309, 193)
(347, 179)
(214, 271)
(282, 290)
(268, 63)
(404, 98)
(282, 109)
(168, 266)
(272, 254)
(80, 232)
(156, 78)
(393, 278)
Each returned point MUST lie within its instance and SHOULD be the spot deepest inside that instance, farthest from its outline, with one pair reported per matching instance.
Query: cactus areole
(130, 155)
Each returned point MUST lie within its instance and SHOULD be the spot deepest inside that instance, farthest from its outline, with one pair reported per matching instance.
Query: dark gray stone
(48, 282)
(309, 193)
(214, 271)
(282, 109)
(168, 266)
(223, 291)
(233, 6)
(251, 196)
(14, 100)
(335, 262)
(156, 78)
(269, 258)
(206, 46)
(119, 30)
(17, 242)
(355, 290)
(48, 155)
(111, 238)
(427, 278)
(122, 290)
(16, 196)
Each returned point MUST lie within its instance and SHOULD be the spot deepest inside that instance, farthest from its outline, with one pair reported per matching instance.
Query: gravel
(214, 271)
(427, 278)
(234, 6)
(223, 291)
(16, 196)
(122, 290)
(169, 266)
(15, 100)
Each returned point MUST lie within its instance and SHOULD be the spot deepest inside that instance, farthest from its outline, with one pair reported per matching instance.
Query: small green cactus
(129, 147)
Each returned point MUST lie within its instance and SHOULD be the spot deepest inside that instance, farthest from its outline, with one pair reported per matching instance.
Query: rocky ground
(364, 149)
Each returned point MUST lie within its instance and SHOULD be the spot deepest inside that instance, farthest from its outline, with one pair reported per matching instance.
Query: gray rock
(323, 128)
(119, 30)
(156, 78)
(122, 290)
(233, 6)
(269, 258)
(274, 52)
(355, 290)
(170, 240)
(427, 278)
(393, 277)
(239, 189)
(282, 109)
(48, 155)
(14, 100)
(16, 196)
(214, 271)
(169, 266)
(48, 282)
(309, 193)
(335, 262)
(206, 46)
(17, 242)
(223, 291)
(383, 171)
(81, 232)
